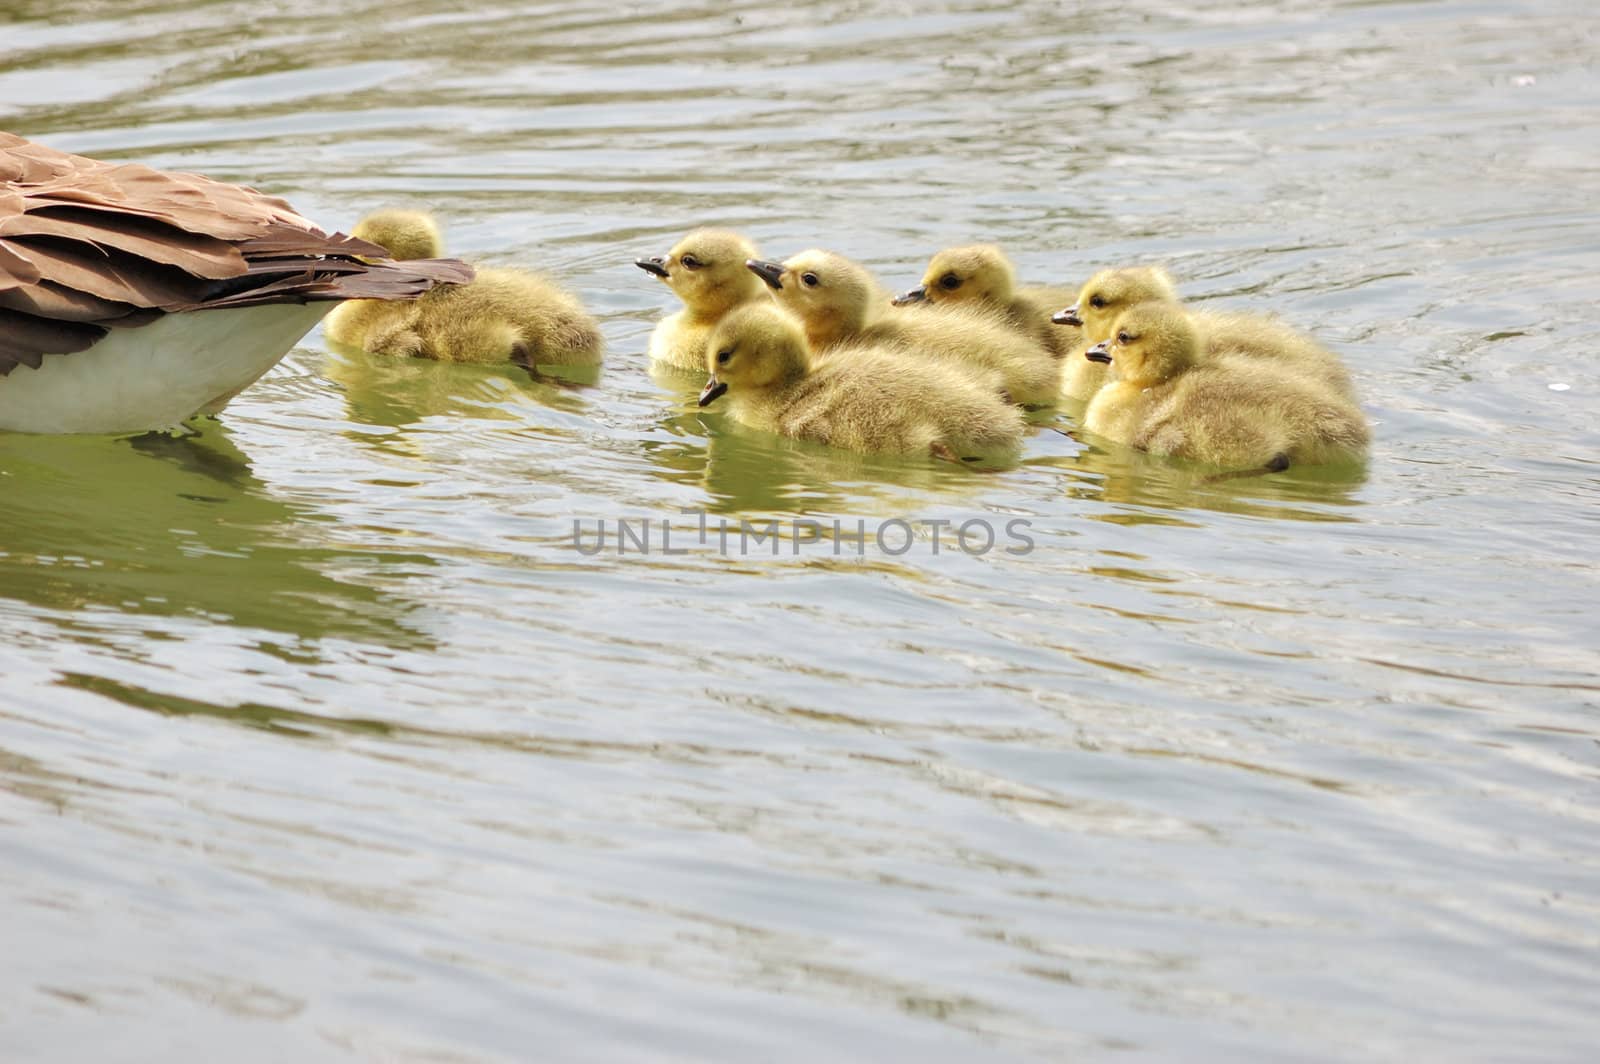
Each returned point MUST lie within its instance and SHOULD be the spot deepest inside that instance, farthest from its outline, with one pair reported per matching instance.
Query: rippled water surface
(320, 740)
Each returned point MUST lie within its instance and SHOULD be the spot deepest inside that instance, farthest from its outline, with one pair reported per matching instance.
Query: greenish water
(320, 739)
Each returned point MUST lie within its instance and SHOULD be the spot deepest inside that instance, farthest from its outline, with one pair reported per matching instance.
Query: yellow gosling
(504, 315)
(1106, 295)
(869, 398)
(706, 270)
(404, 234)
(982, 275)
(1110, 292)
(1173, 397)
(839, 303)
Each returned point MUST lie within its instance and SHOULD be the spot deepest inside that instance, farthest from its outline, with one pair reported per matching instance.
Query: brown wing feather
(16, 271)
(87, 245)
(110, 274)
(194, 253)
(58, 303)
(286, 240)
(24, 339)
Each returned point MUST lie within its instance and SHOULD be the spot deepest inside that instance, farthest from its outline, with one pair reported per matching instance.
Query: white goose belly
(157, 375)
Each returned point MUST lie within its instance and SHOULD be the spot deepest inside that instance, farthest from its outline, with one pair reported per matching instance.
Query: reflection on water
(322, 739)
(398, 392)
(1147, 489)
(181, 527)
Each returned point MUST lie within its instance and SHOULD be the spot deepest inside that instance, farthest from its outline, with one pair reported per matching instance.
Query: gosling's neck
(824, 331)
(823, 334)
(763, 404)
(1002, 292)
(713, 305)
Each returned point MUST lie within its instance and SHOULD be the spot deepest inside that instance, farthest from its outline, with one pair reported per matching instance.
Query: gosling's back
(864, 397)
(1233, 410)
(1241, 412)
(505, 315)
(968, 336)
(1262, 337)
(1250, 337)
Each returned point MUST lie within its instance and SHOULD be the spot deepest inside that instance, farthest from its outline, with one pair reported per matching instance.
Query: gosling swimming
(133, 299)
(839, 302)
(1110, 292)
(865, 397)
(981, 274)
(504, 315)
(1176, 394)
(706, 270)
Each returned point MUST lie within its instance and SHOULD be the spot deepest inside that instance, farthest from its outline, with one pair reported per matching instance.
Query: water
(319, 739)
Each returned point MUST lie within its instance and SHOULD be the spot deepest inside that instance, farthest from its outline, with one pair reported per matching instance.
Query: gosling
(866, 398)
(840, 303)
(504, 315)
(1173, 396)
(982, 274)
(1110, 292)
(706, 270)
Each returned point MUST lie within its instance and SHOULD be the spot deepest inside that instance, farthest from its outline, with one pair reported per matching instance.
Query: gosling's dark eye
(690, 262)
(949, 282)
(1097, 300)
(1124, 338)
(810, 280)
(723, 356)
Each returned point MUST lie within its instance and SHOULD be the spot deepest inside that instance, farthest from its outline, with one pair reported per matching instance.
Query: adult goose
(133, 298)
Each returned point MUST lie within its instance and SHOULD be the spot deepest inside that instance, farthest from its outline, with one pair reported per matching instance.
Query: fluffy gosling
(867, 398)
(706, 270)
(840, 303)
(1173, 396)
(404, 234)
(981, 274)
(504, 315)
(1110, 292)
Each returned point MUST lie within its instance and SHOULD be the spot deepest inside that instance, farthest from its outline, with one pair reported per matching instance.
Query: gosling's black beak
(1100, 352)
(770, 272)
(711, 391)
(915, 295)
(1067, 317)
(654, 264)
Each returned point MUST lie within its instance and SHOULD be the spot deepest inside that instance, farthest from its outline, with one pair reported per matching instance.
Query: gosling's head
(756, 346)
(1150, 342)
(1109, 293)
(706, 270)
(969, 274)
(831, 295)
(403, 234)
